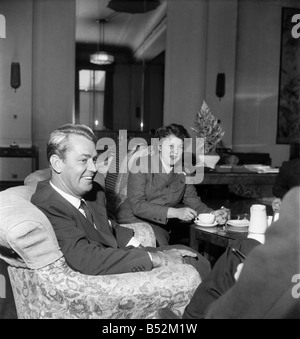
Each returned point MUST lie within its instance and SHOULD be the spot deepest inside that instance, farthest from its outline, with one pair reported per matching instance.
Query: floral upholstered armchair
(44, 286)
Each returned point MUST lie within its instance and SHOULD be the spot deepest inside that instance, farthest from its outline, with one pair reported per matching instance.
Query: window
(91, 98)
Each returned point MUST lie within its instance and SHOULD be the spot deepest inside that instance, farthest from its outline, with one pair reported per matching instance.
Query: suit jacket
(268, 286)
(219, 280)
(86, 249)
(151, 192)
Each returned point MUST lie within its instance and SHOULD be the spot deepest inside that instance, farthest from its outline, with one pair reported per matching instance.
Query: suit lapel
(101, 235)
(102, 225)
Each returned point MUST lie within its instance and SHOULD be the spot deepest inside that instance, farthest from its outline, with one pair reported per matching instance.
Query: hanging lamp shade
(101, 57)
(133, 6)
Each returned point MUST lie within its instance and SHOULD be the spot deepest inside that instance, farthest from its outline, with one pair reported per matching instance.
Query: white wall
(257, 79)
(16, 107)
(185, 61)
(40, 35)
(208, 37)
(54, 69)
(201, 42)
(221, 58)
(242, 39)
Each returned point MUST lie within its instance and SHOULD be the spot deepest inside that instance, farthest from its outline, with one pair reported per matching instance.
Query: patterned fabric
(121, 182)
(143, 232)
(58, 292)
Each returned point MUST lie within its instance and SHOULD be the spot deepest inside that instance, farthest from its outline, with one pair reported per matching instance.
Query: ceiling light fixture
(101, 57)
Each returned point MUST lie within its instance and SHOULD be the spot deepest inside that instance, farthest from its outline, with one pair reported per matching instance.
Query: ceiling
(143, 34)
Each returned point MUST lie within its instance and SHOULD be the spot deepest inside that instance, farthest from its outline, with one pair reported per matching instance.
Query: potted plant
(207, 127)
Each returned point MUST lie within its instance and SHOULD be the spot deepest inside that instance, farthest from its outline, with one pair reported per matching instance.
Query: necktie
(87, 212)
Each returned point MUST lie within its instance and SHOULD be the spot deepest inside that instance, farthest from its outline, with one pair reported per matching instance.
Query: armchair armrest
(143, 232)
(129, 295)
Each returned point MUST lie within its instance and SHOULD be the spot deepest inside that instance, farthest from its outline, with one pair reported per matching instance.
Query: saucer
(198, 223)
(214, 230)
(238, 223)
(237, 229)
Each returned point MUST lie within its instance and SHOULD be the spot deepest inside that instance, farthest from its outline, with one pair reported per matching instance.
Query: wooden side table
(201, 239)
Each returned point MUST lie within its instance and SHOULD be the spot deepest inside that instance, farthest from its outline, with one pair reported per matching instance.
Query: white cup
(205, 218)
(258, 219)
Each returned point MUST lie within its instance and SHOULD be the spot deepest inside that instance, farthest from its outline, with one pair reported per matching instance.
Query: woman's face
(171, 149)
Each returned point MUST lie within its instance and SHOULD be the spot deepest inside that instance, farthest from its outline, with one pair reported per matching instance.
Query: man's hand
(222, 215)
(171, 257)
(238, 271)
(276, 203)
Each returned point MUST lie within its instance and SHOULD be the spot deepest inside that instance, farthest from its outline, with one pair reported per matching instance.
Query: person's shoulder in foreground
(268, 286)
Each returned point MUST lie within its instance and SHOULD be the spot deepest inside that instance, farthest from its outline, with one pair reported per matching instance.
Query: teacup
(205, 218)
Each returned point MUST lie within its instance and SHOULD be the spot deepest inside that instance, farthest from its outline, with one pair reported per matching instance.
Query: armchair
(44, 286)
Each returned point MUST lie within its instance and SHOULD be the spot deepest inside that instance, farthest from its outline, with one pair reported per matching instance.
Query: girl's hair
(173, 129)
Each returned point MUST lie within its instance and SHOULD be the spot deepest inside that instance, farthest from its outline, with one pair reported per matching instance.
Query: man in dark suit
(75, 206)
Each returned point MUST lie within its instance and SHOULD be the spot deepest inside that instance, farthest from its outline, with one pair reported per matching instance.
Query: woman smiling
(158, 191)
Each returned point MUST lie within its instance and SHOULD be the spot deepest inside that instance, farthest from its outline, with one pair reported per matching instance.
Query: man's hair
(58, 140)
(173, 129)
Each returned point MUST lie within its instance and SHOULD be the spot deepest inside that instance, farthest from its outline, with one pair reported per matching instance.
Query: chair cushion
(40, 175)
(26, 230)
(130, 160)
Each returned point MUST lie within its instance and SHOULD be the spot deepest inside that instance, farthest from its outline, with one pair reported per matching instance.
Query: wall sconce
(220, 85)
(15, 75)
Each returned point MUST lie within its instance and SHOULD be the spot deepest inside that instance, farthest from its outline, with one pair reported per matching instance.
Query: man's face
(171, 149)
(78, 168)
